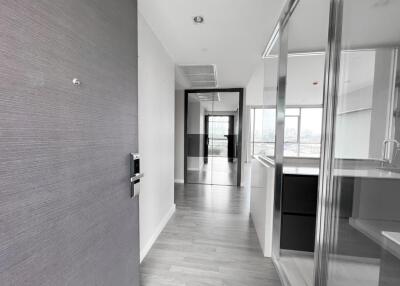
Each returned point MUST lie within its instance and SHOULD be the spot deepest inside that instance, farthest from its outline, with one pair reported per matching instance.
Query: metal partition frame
(325, 207)
(280, 33)
(279, 141)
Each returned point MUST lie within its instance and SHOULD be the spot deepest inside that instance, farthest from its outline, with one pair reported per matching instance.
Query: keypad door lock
(135, 174)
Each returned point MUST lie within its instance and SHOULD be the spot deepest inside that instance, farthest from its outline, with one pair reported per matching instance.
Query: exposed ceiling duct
(200, 76)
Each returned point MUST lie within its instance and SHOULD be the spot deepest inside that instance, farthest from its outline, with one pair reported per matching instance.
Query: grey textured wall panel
(66, 217)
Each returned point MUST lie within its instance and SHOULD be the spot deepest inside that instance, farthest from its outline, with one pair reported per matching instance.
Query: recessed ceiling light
(198, 19)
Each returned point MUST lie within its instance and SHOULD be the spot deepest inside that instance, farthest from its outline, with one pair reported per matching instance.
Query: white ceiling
(233, 36)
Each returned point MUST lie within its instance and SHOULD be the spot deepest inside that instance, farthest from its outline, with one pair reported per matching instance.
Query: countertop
(384, 233)
(393, 236)
(296, 170)
(314, 171)
(355, 173)
(392, 242)
(366, 173)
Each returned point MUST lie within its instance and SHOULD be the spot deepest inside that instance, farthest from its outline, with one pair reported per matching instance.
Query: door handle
(136, 177)
(135, 174)
(135, 187)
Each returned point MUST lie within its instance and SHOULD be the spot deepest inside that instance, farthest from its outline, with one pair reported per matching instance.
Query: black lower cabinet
(299, 210)
(298, 232)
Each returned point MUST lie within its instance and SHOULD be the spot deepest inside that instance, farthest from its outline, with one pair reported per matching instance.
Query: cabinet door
(298, 232)
(300, 194)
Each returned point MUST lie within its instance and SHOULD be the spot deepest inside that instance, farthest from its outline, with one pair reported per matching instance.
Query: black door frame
(239, 149)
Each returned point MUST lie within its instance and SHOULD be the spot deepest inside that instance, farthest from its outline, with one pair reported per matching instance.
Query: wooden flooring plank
(210, 240)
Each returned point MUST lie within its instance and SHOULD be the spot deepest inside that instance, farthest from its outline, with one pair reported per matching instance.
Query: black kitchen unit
(299, 210)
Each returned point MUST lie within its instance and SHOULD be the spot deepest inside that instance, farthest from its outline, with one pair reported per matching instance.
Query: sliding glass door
(363, 230)
(300, 106)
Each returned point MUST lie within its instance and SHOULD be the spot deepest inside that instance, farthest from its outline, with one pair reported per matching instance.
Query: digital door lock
(135, 174)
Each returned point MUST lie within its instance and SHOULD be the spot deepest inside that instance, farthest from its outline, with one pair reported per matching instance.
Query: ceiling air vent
(209, 96)
(200, 76)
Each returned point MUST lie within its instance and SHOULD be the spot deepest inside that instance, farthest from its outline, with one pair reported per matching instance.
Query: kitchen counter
(296, 170)
(366, 173)
(354, 173)
(300, 188)
(384, 233)
(392, 242)
(291, 169)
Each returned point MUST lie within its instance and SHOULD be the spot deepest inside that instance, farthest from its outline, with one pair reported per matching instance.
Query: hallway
(209, 241)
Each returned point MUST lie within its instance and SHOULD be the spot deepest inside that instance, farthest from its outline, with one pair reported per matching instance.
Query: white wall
(179, 135)
(353, 123)
(363, 106)
(262, 203)
(195, 125)
(255, 87)
(383, 84)
(352, 135)
(156, 135)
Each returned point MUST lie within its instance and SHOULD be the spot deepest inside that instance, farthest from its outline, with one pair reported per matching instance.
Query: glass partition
(307, 38)
(213, 138)
(340, 104)
(198, 162)
(364, 240)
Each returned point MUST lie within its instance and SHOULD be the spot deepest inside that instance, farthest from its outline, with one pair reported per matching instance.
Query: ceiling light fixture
(198, 19)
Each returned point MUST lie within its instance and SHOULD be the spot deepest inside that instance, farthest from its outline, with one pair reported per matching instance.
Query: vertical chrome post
(279, 140)
(325, 213)
(280, 123)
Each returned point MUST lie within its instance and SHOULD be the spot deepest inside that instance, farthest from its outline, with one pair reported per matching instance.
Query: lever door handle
(137, 177)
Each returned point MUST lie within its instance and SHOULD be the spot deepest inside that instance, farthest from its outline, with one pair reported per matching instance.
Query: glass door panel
(305, 71)
(365, 226)
(223, 138)
(267, 115)
(213, 138)
(198, 159)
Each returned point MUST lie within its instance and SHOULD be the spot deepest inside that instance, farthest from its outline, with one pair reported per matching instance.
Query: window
(302, 131)
(263, 131)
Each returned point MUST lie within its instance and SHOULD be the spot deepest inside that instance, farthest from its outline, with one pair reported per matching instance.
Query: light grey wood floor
(218, 171)
(209, 241)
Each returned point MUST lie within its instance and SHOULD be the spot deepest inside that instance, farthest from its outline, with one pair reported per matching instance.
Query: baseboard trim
(159, 229)
(179, 181)
(281, 272)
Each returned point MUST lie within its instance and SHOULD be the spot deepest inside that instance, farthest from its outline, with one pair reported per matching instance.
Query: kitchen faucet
(384, 151)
